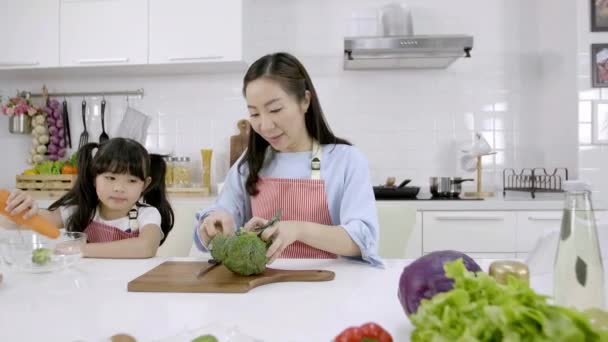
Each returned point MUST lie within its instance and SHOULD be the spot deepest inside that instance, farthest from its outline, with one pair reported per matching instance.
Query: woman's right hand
(216, 223)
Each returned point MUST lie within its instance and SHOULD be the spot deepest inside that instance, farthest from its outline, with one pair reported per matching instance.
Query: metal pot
(20, 124)
(447, 186)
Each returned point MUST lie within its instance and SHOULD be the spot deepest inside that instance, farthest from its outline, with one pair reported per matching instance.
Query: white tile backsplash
(409, 123)
(592, 159)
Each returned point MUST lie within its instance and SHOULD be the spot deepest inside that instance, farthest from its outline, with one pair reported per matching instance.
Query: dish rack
(533, 180)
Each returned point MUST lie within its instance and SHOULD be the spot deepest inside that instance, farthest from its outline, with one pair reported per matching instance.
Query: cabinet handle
(534, 218)
(469, 218)
(201, 58)
(16, 64)
(103, 60)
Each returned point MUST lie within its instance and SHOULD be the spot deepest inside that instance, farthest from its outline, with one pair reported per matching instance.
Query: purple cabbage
(425, 277)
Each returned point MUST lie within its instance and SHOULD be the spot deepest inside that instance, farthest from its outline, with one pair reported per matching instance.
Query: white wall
(593, 159)
(409, 123)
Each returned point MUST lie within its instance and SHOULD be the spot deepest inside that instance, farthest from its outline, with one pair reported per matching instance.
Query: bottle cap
(576, 185)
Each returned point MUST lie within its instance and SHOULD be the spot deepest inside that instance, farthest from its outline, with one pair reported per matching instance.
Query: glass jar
(578, 279)
(169, 173)
(182, 172)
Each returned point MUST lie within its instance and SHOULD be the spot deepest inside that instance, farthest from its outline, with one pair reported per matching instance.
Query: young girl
(119, 200)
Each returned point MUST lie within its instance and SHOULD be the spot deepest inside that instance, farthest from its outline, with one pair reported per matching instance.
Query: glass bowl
(27, 251)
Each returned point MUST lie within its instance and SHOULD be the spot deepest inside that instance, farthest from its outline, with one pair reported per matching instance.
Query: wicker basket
(51, 185)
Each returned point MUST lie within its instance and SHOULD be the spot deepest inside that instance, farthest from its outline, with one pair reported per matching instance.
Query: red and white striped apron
(100, 232)
(301, 200)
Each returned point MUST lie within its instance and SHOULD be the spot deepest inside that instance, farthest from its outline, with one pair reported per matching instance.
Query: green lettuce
(480, 309)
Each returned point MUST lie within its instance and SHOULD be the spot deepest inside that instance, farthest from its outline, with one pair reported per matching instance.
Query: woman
(295, 163)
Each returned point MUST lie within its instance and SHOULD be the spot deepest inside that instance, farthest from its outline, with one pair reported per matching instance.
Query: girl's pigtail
(83, 194)
(156, 193)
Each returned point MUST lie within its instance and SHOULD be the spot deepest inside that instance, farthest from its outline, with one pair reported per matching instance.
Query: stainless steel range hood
(397, 52)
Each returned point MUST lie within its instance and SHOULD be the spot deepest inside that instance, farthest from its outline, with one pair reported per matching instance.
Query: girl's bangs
(124, 162)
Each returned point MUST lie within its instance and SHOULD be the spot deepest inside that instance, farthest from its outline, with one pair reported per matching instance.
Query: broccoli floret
(205, 338)
(246, 254)
(219, 246)
(41, 256)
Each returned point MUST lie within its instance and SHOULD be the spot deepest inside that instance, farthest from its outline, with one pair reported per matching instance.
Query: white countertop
(90, 302)
(512, 201)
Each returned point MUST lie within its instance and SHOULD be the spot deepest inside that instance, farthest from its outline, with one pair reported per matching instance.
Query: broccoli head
(205, 338)
(246, 254)
(41, 256)
(219, 246)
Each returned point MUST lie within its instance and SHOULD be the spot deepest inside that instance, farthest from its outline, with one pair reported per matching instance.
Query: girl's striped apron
(301, 200)
(100, 232)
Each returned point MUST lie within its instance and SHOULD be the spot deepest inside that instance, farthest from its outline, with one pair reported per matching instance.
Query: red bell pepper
(368, 332)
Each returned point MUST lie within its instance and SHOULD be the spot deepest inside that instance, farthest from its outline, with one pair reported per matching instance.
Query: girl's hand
(282, 234)
(19, 201)
(217, 222)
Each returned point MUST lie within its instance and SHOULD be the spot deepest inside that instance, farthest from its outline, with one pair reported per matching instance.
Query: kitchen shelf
(192, 191)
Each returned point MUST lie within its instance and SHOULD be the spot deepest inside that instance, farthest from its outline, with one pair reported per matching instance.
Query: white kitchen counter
(90, 302)
(512, 201)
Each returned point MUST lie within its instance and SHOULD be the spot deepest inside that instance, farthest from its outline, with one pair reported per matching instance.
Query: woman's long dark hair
(291, 76)
(117, 155)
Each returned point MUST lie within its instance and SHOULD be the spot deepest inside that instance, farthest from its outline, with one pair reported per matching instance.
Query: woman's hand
(282, 234)
(19, 201)
(217, 222)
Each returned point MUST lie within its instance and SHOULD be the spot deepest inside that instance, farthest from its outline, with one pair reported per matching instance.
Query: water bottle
(578, 279)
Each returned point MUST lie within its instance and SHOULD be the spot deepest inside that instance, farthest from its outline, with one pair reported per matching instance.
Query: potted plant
(20, 111)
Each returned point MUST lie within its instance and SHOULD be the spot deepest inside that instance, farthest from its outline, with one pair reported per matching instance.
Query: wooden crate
(48, 184)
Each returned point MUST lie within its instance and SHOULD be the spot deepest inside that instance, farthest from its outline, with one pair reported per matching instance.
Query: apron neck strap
(315, 162)
(133, 214)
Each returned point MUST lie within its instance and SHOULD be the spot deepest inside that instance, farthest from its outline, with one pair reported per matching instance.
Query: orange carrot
(36, 222)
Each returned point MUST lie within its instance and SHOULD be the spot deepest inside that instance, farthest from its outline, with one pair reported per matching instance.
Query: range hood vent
(399, 52)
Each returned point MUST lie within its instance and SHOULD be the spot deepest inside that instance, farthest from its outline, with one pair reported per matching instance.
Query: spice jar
(182, 172)
(169, 172)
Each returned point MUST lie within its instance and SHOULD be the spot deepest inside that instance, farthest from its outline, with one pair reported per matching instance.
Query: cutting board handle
(275, 276)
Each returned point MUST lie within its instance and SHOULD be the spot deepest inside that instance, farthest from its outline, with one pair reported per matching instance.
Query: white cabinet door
(400, 230)
(531, 225)
(30, 34)
(469, 232)
(185, 31)
(108, 32)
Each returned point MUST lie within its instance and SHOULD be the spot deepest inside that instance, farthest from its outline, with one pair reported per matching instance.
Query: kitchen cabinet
(179, 242)
(491, 234)
(109, 32)
(469, 232)
(532, 225)
(30, 34)
(400, 230)
(186, 31)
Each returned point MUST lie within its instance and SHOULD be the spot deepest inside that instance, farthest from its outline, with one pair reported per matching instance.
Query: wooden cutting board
(182, 276)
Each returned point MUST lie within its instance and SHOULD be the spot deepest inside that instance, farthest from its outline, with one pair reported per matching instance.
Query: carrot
(36, 222)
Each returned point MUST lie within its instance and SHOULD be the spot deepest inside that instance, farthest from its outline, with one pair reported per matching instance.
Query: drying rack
(533, 180)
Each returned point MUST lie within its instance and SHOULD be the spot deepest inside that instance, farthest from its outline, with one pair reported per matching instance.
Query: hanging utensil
(84, 137)
(67, 135)
(104, 136)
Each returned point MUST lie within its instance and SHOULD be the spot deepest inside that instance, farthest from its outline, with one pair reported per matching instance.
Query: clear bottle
(182, 172)
(578, 279)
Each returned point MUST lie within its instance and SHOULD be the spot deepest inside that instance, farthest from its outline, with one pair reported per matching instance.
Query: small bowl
(27, 251)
